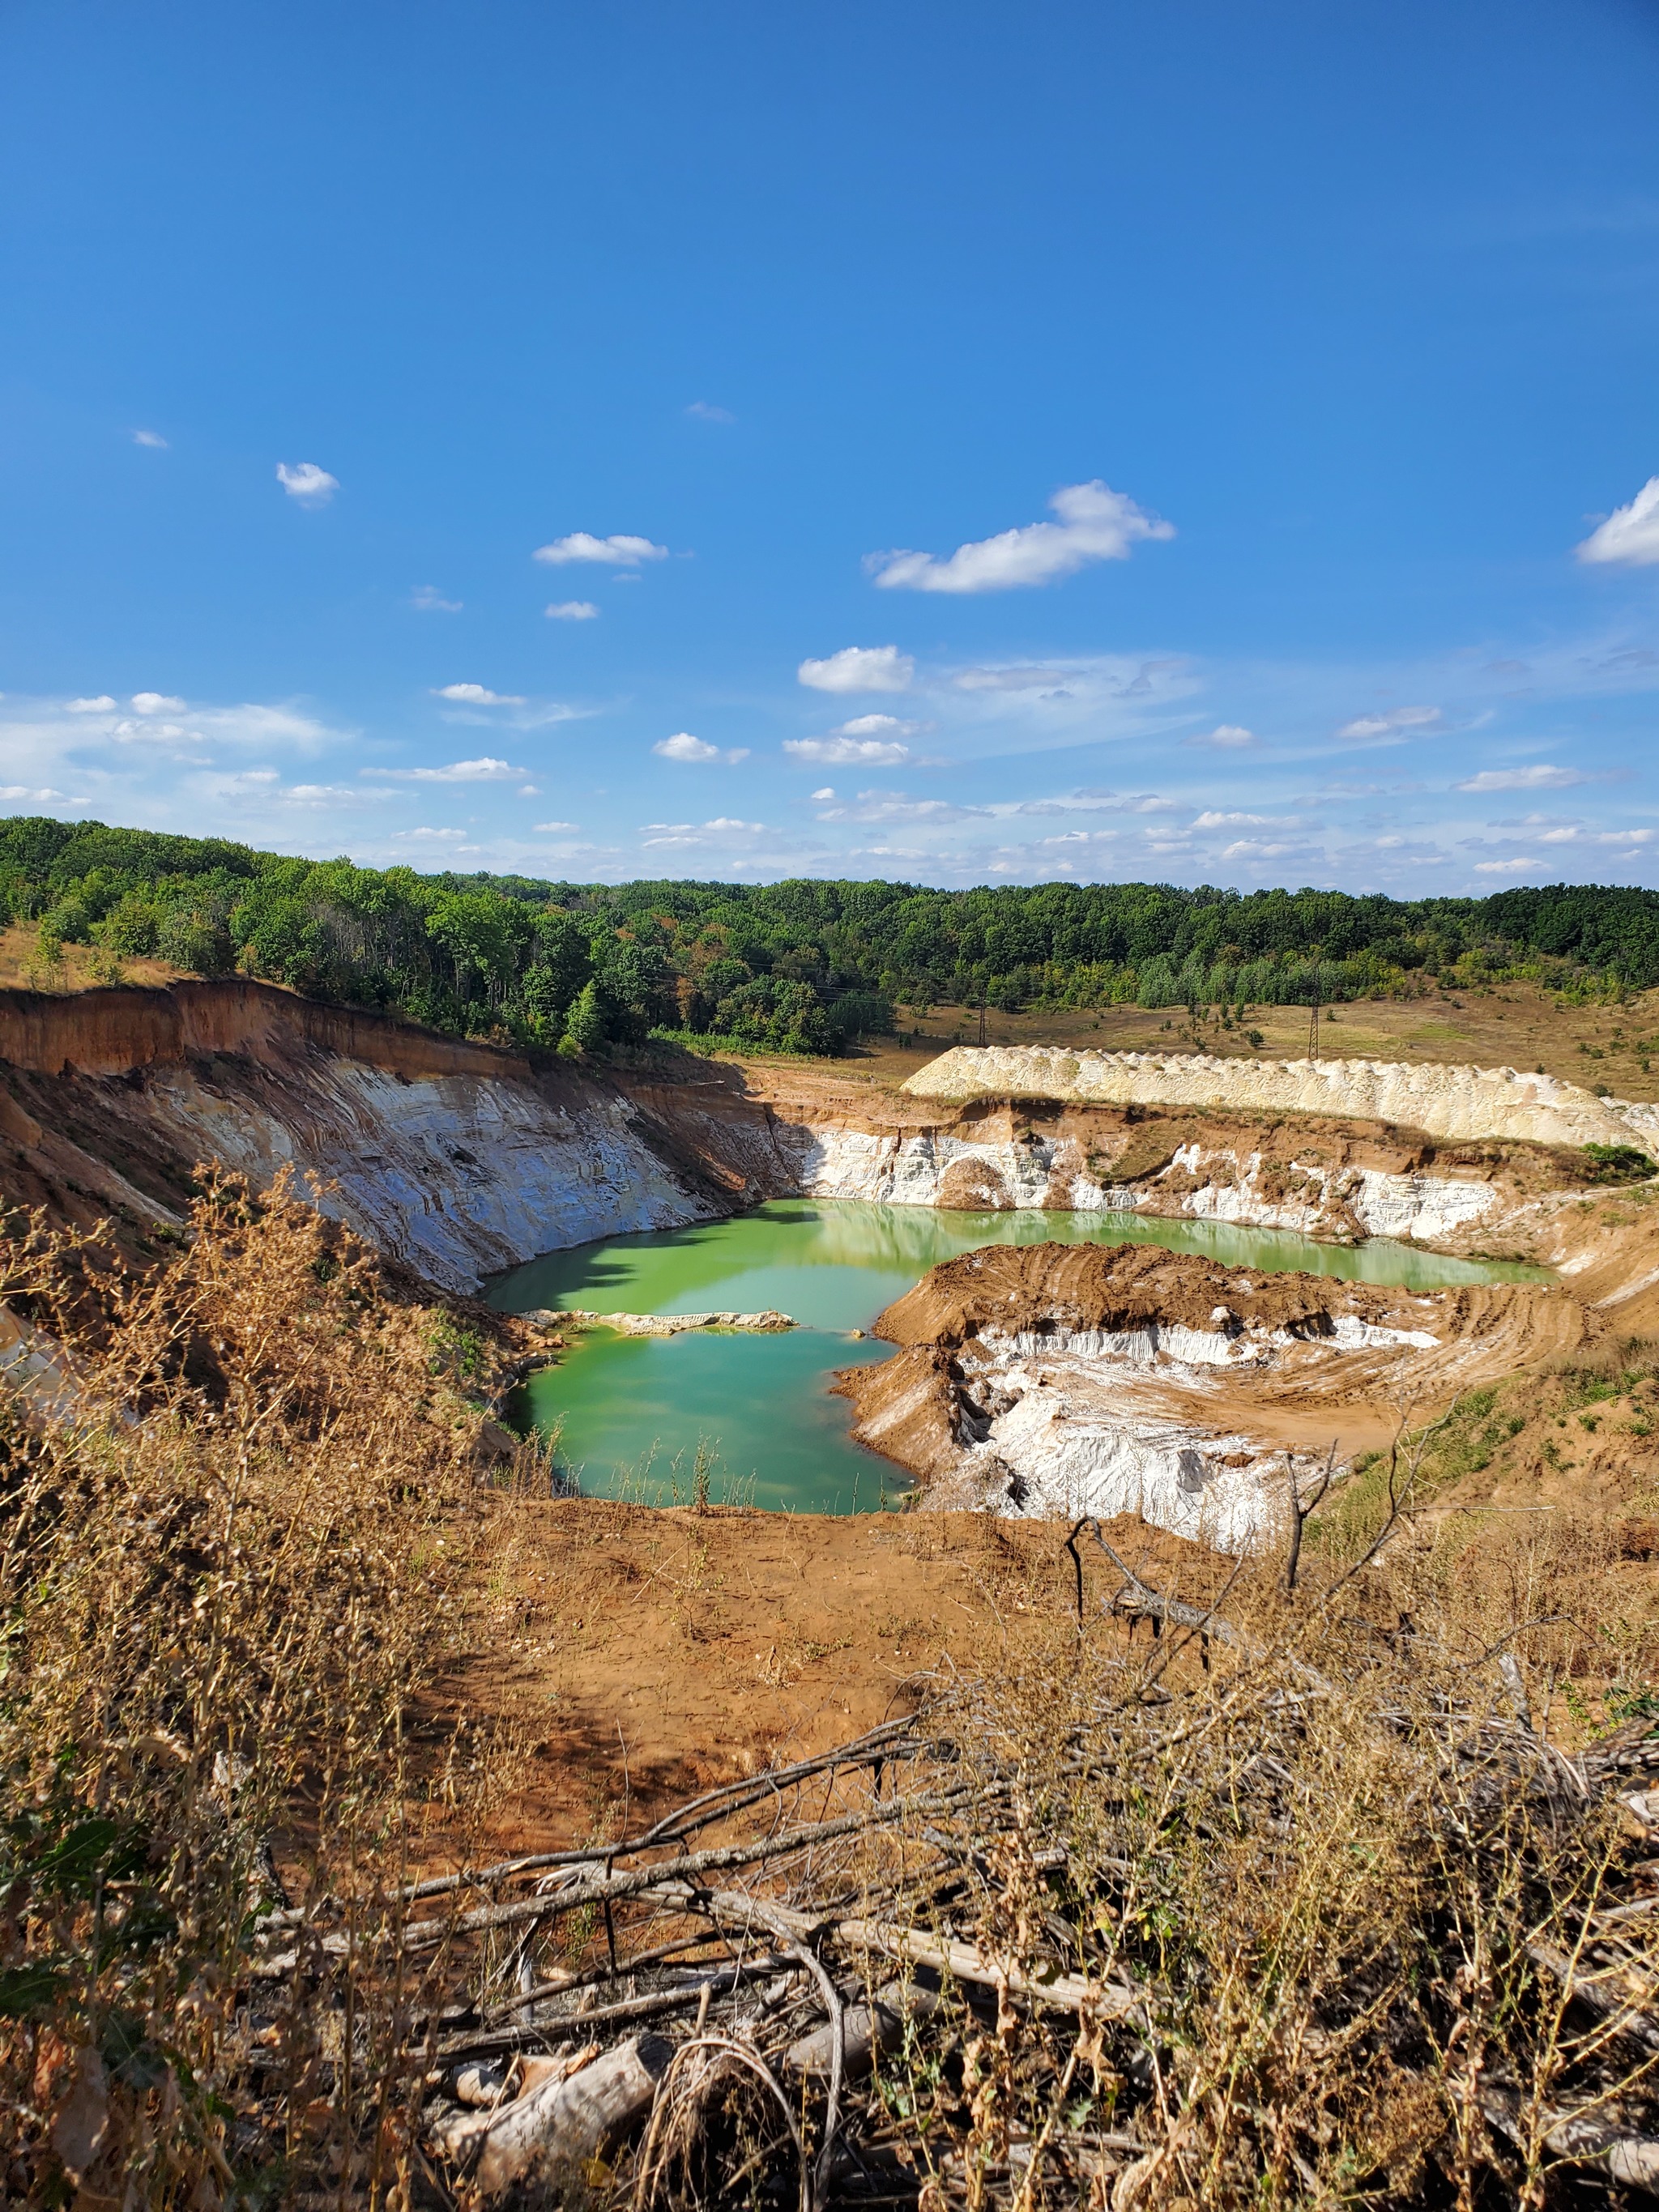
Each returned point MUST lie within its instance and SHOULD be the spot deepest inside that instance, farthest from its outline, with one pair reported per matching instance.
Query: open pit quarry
(1051, 1380)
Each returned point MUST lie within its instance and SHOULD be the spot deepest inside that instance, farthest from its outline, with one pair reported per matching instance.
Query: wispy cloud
(477, 695)
(1227, 737)
(545, 828)
(151, 438)
(1630, 536)
(1096, 524)
(155, 703)
(431, 601)
(484, 770)
(859, 668)
(1538, 777)
(307, 483)
(695, 751)
(617, 552)
(572, 610)
(699, 410)
(657, 835)
(1388, 724)
(1214, 819)
(103, 704)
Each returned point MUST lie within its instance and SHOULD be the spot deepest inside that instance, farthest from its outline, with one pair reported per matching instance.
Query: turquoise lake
(631, 1413)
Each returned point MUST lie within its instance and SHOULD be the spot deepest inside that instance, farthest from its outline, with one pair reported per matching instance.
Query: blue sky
(956, 442)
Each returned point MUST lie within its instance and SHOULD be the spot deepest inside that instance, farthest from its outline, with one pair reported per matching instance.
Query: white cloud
(619, 552)
(875, 725)
(827, 791)
(1574, 834)
(1398, 718)
(431, 833)
(1251, 849)
(847, 752)
(1096, 524)
(150, 438)
(572, 610)
(1227, 737)
(155, 703)
(859, 668)
(477, 695)
(431, 601)
(1520, 863)
(103, 704)
(1215, 821)
(46, 795)
(659, 833)
(468, 771)
(700, 411)
(310, 485)
(544, 828)
(682, 746)
(1538, 777)
(1630, 535)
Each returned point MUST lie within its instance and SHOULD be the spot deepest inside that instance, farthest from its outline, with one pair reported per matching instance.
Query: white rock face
(1069, 1463)
(457, 1175)
(832, 1162)
(1453, 1102)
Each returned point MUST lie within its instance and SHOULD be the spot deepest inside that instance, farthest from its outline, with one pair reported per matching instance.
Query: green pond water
(631, 1413)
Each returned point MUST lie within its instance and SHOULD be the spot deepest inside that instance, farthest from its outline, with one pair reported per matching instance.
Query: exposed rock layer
(460, 1159)
(1070, 1379)
(1456, 1102)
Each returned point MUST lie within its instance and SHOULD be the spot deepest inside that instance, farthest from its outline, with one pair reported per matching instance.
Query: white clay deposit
(1454, 1103)
(1092, 1422)
(454, 1176)
(927, 1168)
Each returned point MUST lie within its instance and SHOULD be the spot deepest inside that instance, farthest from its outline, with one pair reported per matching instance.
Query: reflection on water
(631, 1411)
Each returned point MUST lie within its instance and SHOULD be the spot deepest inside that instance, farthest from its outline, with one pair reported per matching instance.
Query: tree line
(801, 966)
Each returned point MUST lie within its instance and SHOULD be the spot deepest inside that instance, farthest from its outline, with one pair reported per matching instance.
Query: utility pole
(1313, 1017)
(982, 1017)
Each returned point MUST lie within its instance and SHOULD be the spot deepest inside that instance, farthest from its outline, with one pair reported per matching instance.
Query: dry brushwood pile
(1243, 1893)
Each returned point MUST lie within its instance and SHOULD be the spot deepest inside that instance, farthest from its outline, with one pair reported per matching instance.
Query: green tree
(585, 1028)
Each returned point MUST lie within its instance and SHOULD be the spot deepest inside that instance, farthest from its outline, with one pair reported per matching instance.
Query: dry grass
(231, 1562)
(1318, 1899)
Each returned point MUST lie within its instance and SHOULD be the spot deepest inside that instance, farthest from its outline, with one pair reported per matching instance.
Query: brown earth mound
(1049, 1289)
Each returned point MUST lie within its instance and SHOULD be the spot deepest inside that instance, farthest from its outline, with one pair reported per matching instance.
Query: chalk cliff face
(460, 1160)
(1062, 1380)
(1453, 1102)
(1207, 1182)
(453, 1158)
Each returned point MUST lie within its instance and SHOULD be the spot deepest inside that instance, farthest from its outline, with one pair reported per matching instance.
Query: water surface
(630, 1413)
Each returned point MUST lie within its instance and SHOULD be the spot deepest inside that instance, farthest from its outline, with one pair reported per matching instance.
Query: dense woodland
(803, 966)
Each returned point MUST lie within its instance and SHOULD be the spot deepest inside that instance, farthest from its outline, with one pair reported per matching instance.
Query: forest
(804, 966)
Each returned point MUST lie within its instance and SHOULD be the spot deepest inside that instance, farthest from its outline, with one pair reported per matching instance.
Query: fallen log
(913, 1947)
(544, 2142)
(869, 2028)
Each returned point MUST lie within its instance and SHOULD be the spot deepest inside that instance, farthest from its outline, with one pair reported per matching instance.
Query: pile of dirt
(1052, 1290)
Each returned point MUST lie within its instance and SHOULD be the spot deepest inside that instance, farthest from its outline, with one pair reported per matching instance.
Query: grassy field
(1509, 1025)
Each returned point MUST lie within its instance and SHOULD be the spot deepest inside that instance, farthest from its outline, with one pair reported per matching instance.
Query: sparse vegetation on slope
(1329, 1896)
